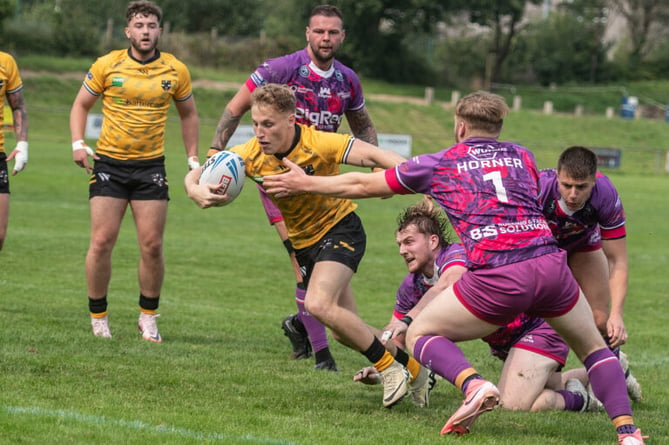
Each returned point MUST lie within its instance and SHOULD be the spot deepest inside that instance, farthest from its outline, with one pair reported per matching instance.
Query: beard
(140, 47)
(320, 58)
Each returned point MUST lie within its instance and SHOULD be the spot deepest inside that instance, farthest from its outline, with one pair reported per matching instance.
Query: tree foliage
(504, 19)
(647, 23)
(381, 37)
(228, 17)
(563, 48)
(459, 42)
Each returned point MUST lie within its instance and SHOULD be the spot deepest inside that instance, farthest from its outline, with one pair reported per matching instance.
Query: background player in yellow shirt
(328, 236)
(136, 86)
(11, 87)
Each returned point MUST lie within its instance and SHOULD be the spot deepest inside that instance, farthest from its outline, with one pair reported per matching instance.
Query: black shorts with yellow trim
(344, 243)
(139, 180)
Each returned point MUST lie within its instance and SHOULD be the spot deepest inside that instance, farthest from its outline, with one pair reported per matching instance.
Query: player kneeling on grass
(532, 350)
(488, 188)
(327, 235)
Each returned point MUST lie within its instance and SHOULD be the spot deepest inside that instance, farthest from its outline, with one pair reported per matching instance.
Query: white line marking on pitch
(138, 425)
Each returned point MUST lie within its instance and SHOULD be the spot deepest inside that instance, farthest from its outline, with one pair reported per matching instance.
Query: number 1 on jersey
(496, 178)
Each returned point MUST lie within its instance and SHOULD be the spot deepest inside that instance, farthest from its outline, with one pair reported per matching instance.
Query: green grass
(222, 374)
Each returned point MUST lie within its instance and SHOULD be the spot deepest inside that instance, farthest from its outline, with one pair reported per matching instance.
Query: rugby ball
(225, 168)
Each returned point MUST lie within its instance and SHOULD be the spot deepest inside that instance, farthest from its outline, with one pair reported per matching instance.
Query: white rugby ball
(225, 168)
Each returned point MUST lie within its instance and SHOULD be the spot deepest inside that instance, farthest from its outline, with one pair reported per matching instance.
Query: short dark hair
(482, 110)
(327, 11)
(578, 162)
(427, 219)
(144, 8)
(280, 97)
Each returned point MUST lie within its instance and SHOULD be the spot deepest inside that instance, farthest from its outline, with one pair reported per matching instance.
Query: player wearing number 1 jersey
(489, 191)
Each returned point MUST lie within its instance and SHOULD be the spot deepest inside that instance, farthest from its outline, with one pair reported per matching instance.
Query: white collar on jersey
(435, 276)
(319, 71)
(565, 209)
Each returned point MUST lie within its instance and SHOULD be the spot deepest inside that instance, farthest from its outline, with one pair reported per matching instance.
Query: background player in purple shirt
(326, 91)
(586, 215)
(489, 191)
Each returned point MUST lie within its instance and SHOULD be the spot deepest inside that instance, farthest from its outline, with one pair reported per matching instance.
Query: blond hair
(279, 97)
(482, 111)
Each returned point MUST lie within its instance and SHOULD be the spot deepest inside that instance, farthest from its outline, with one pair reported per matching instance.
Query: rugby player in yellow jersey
(327, 235)
(136, 86)
(11, 87)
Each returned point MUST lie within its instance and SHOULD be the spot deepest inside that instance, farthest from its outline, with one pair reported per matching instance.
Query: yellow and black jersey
(10, 82)
(308, 217)
(135, 100)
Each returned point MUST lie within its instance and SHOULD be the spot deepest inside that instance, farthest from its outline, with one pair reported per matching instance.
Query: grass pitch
(222, 374)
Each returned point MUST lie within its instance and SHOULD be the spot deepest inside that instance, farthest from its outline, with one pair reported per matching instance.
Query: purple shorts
(271, 210)
(540, 287)
(543, 340)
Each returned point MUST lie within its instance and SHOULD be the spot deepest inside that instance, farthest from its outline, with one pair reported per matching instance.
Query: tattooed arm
(18, 105)
(362, 126)
(230, 118)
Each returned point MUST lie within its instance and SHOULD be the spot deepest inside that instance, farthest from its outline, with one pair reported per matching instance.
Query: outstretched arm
(364, 154)
(348, 185)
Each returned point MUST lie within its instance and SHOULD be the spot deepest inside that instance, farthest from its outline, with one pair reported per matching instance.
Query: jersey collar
(156, 56)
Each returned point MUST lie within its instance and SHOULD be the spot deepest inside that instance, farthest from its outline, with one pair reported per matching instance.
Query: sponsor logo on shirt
(117, 81)
(323, 120)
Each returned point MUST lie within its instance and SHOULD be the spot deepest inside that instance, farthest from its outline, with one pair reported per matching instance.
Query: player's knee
(101, 246)
(152, 249)
(319, 308)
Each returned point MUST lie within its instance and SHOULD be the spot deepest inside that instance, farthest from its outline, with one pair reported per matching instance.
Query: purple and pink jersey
(476, 183)
(602, 216)
(414, 285)
(323, 97)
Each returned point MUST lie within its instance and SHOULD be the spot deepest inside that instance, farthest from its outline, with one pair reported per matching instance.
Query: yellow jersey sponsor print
(135, 99)
(10, 82)
(308, 217)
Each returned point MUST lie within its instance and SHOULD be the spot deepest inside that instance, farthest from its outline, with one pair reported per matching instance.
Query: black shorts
(345, 243)
(131, 180)
(4, 174)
